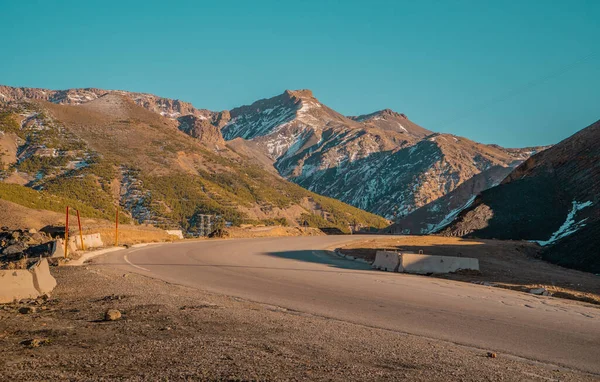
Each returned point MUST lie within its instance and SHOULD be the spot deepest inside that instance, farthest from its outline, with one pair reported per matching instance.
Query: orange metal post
(80, 232)
(117, 228)
(67, 233)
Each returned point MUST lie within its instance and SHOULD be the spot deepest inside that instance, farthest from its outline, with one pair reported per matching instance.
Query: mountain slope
(552, 198)
(381, 162)
(112, 150)
(434, 216)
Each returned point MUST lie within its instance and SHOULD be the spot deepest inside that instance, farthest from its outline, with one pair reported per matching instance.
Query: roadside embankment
(512, 265)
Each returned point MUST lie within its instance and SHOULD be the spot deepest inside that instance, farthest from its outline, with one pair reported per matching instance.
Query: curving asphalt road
(297, 274)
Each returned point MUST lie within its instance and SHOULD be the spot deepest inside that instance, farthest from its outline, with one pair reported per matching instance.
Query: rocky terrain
(93, 149)
(552, 198)
(18, 247)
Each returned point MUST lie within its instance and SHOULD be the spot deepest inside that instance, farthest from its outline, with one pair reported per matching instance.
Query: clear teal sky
(449, 65)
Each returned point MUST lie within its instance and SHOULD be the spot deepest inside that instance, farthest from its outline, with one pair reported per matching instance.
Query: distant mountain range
(380, 162)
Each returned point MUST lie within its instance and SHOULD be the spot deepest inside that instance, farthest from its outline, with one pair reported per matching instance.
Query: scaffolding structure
(204, 224)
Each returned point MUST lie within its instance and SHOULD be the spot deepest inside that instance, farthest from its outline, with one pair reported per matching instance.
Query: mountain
(380, 162)
(163, 161)
(552, 198)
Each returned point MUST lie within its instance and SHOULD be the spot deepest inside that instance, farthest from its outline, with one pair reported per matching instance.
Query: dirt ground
(172, 332)
(508, 264)
(272, 231)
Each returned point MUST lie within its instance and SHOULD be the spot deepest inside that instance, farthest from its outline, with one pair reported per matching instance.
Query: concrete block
(386, 261)
(91, 241)
(42, 279)
(424, 264)
(57, 249)
(16, 285)
(175, 232)
(26, 283)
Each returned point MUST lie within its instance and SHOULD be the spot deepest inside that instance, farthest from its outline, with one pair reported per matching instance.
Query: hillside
(552, 198)
(113, 150)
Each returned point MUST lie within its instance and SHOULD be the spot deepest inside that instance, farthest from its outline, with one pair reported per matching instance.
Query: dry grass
(129, 235)
(276, 231)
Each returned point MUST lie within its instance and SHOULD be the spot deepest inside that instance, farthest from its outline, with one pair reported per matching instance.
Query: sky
(515, 73)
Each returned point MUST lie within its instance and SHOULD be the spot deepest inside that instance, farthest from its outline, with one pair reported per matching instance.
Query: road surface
(297, 274)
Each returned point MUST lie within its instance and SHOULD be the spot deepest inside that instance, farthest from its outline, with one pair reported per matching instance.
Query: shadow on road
(320, 257)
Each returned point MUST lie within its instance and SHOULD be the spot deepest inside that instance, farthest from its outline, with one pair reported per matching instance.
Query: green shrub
(43, 200)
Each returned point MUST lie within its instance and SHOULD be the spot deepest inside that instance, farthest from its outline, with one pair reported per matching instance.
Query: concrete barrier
(42, 279)
(424, 264)
(20, 284)
(175, 232)
(386, 261)
(91, 241)
(57, 249)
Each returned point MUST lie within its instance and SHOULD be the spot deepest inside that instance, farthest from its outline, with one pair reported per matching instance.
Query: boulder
(539, 292)
(14, 249)
(112, 315)
(27, 310)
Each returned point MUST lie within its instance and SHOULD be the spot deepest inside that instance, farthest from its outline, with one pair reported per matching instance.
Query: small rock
(32, 230)
(27, 310)
(14, 249)
(34, 342)
(539, 291)
(491, 355)
(112, 315)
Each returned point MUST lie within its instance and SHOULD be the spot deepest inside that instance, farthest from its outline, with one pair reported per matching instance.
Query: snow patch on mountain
(261, 123)
(569, 226)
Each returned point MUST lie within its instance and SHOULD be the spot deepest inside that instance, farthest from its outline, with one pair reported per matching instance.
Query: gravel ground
(173, 332)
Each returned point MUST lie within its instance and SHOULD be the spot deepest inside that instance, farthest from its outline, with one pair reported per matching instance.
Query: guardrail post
(67, 232)
(117, 228)
(80, 232)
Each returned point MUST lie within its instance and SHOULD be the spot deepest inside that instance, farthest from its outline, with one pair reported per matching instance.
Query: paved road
(295, 273)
